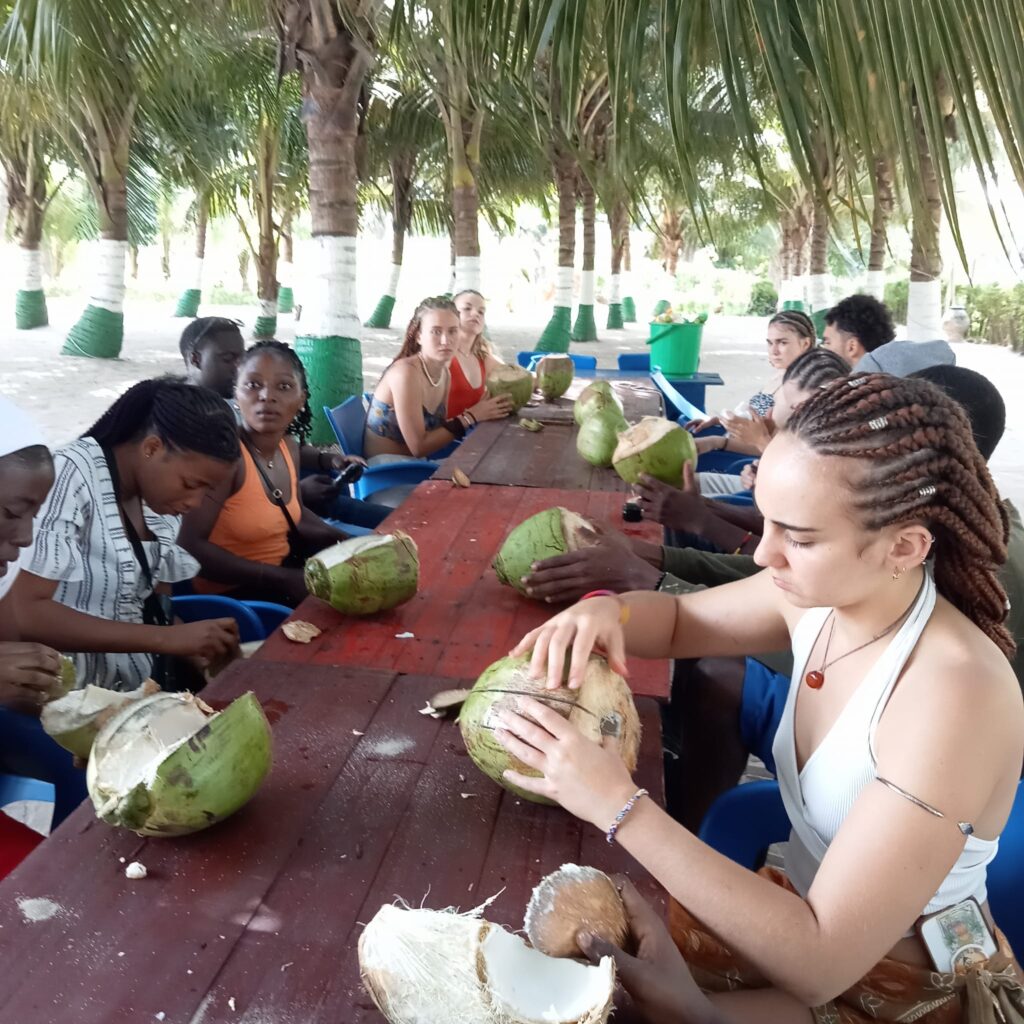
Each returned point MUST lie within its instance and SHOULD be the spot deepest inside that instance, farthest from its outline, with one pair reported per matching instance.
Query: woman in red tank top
(474, 359)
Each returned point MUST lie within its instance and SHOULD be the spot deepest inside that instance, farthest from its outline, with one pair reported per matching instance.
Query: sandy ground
(68, 394)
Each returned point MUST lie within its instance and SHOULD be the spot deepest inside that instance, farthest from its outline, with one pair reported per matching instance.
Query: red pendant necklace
(816, 679)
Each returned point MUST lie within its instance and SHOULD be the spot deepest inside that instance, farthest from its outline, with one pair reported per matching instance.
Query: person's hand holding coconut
(676, 508)
(30, 675)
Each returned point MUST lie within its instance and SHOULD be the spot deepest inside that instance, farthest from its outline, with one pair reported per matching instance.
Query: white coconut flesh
(135, 752)
(74, 720)
(648, 432)
(440, 967)
(336, 554)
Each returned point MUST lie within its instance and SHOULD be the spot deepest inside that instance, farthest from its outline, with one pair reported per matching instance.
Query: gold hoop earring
(897, 573)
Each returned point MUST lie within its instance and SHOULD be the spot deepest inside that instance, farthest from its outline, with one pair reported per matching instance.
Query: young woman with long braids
(407, 416)
(106, 537)
(474, 359)
(899, 750)
(242, 534)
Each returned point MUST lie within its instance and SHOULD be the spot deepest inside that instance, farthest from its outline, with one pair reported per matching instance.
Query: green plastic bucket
(675, 348)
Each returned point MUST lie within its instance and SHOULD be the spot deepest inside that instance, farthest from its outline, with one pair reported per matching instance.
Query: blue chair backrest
(683, 409)
(524, 358)
(14, 788)
(635, 361)
(196, 607)
(582, 363)
(270, 615)
(1006, 876)
(743, 822)
(348, 421)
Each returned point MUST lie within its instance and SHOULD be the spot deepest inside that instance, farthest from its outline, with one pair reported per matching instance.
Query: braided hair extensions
(917, 461)
(184, 417)
(302, 425)
(815, 368)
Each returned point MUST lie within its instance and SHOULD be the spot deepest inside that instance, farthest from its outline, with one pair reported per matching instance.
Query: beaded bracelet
(630, 804)
(743, 543)
(623, 607)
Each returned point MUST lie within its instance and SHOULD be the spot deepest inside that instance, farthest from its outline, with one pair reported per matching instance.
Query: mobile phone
(632, 512)
(958, 937)
(350, 474)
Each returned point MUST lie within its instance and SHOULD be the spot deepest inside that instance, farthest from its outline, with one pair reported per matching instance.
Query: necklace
(426, 373)
(255, 451)
(816, 679)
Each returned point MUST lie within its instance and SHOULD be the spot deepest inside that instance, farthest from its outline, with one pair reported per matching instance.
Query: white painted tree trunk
(396, 273)
(108, 284)
(587, 288)
(924, 311)
(789, 291)
(819, 291)
(563, 287)
(874, 284)
(332, 303)
(467, 273)
(614, 289)
(31, 270)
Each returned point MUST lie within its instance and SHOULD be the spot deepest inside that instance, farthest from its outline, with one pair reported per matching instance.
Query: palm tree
(332, 45)
(94, 60)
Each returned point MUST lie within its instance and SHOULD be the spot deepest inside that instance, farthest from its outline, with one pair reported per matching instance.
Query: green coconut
(602, 706)
(66, 678)
(554, 375)
(75, 719)
(593, 398)
(364, 575)
(599, 435)
(656, 447)
(168, 765)
(551, 532)
(513, 381)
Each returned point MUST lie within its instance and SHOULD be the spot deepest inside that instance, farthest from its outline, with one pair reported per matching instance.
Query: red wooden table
(462, 619)
(503, 452)
(256, 920)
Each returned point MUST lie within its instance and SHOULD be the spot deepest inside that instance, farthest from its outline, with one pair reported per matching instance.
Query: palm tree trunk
(585, 328)
(332, 82)
(403, 169)
(192, 295)
(26, 191)
(875, 284)
(924, 300)
(99, 332)
(557, 333)
(618, 223)
(820, 283)
(285, 266)
(464, 152)
(266, 247)
(628, 305)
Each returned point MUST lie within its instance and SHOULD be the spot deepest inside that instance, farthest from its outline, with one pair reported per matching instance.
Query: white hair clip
(927, 491)
(877, 424)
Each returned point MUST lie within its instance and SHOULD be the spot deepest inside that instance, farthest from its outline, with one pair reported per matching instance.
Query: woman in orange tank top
(240, 534)
(474, 359)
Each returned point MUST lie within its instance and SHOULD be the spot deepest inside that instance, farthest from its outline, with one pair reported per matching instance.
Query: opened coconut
(602, 707)
(441, 967)
(363, 575)
(595, 398)
(168, 765)
(571, 900)
(513, 381)
(657, 447)
(551, 532)
(599, 435)
(74, 720)
(554, 375)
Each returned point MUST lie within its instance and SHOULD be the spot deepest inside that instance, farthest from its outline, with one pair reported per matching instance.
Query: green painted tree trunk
(585, 329)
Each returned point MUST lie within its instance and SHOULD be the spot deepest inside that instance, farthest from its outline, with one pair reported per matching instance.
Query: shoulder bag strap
(276, 494)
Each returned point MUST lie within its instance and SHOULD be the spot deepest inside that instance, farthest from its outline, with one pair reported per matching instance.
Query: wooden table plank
(105, 954)
(502, 452)
(462, 619)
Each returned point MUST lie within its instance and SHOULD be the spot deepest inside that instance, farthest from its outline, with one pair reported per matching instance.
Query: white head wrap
(17, 430)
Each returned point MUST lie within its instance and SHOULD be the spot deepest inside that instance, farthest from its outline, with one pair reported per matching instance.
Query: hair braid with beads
(918, 462)
(183, 416)
(302, 425)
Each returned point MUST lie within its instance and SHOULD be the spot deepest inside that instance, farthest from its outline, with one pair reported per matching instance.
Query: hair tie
(878, 423)
(927, 491)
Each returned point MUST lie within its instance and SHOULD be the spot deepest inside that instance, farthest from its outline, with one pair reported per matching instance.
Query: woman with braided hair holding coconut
(898, 753)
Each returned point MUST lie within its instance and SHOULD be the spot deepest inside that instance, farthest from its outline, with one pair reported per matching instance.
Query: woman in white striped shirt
(106, 539)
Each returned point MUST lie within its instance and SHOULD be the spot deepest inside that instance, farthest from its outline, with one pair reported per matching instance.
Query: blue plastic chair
(196, 607)
(741, 498)
(581, 363)
(348, 421)
(14, 788)
(635, 361)
(676, 406)
(270, 615)
(524, 358)
(744, 821)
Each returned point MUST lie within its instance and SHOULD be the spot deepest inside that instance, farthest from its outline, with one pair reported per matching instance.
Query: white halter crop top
(819, 798)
